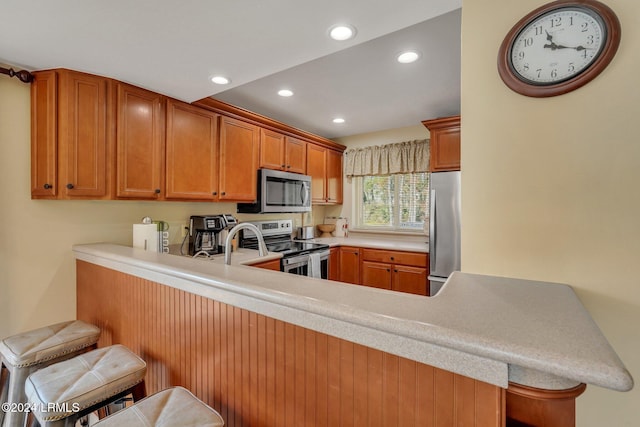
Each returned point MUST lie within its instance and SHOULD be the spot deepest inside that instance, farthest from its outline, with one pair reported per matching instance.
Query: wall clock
(559, 47)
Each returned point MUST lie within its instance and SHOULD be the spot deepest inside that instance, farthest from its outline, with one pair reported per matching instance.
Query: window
(392, 202)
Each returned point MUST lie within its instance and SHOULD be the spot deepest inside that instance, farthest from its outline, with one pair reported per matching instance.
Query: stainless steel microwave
(280, 192)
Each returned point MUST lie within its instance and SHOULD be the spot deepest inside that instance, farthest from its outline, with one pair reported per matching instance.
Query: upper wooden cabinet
(444, 143)
(192, 153)
(280, 152)
(239, 147)
(295, 155)
(317, 169)
(140, 140)
(325, 168)
(334, 177)
(72, 139)
(96, 138)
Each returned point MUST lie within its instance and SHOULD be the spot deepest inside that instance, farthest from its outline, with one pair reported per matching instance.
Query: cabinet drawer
(417, 259)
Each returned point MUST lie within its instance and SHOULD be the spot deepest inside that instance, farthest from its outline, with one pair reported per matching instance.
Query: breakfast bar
(238, 336)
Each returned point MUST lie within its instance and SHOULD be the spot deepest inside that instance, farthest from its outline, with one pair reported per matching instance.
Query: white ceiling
(174, 47)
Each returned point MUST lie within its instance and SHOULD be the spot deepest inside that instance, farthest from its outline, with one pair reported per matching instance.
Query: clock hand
(549, 36)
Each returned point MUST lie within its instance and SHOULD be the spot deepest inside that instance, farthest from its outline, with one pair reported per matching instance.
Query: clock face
(557, 46)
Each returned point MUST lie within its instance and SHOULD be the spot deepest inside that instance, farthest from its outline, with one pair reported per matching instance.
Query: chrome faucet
(262, 247)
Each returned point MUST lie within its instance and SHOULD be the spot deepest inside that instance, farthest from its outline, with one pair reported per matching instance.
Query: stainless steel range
(298, 256)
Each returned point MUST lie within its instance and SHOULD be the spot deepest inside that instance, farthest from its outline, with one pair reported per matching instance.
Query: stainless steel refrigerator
(444, 227)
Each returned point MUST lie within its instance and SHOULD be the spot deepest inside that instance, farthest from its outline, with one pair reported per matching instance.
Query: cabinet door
(239, 146)
(409, 279)
(295, 155)
(139, 143)
(272, 152)
(334, 264)
(444, 143)
(44, 135)
(268, 265)
(317, 169)
(376, 275)
(84, 142)
(350, 265)
(191, 153)
(334, 177)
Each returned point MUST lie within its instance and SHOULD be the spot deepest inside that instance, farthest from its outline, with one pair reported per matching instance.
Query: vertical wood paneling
(258, 371)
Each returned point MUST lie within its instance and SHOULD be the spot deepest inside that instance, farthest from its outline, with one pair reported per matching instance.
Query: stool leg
(139, 392)
(4, 383)
(17, 378)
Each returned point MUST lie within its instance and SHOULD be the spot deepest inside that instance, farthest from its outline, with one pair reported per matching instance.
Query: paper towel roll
(145, 236)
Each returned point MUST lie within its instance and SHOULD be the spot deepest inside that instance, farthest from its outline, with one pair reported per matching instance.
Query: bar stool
(174, 406)
(62, 393)
(25, 353)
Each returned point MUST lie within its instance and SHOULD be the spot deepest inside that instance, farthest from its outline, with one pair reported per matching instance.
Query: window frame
(357, 209)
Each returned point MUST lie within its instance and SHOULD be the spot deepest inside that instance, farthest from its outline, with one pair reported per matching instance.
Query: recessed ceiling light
(285, 92)
(408, 57)
(220, 80)
(338, 120)
(342, 32)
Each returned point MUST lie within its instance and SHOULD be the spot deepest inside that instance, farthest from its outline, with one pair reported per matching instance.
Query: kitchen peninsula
(305, 351)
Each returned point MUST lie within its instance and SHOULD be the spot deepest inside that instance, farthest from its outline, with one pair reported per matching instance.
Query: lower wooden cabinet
(273, 264)
(349, 264)
(394, 270)
(334, 263)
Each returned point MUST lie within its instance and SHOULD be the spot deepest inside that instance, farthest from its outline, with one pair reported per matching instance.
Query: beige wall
(37, 270)
(550, 187)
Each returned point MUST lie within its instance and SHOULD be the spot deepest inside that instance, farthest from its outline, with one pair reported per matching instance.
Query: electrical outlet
(185, 230)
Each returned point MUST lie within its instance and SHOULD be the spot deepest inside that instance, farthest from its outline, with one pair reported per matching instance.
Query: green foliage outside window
(396, 201)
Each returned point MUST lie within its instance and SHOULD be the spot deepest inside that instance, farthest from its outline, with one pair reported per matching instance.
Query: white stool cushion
(172, 407)
(43, 344)
(83, 381)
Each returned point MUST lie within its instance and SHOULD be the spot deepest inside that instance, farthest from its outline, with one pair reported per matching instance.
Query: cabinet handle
(283, 166)
(157, 191)
(70, 186)
(288, 166)
(395, 271)
(223, 193)
(391, 258)
(215, 193)
(388, 269)
(47, 186)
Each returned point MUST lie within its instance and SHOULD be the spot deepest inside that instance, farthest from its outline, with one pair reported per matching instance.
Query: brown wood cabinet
(72, 139)
(325, 168)
(140, 137)
(239, 150)
(192, 162)
(280, 152)
(268, 265)
(97, 138)
(444, 143)
(396, 270)
(349, 262)
(334, 263)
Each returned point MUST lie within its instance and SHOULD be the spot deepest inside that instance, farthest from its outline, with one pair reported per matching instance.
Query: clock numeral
(539, 72)
(554, 73)
(590, 39)
(556, 22)
(572, 68)
(584, 27)
(521, 55)
(570, 20)
(539, 30)
(528, 42)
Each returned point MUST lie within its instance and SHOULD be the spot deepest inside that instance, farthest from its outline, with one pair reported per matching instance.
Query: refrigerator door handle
(432, 227)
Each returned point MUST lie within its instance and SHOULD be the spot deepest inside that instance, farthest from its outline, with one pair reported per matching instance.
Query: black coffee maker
(204, 234)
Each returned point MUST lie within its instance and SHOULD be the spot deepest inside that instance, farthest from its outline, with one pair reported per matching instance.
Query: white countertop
(489, 328)
(394, 244)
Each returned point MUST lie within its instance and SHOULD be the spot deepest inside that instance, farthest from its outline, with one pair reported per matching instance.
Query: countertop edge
(398, 336)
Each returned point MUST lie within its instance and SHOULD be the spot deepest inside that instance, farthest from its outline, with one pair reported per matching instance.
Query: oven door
(299, 264)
